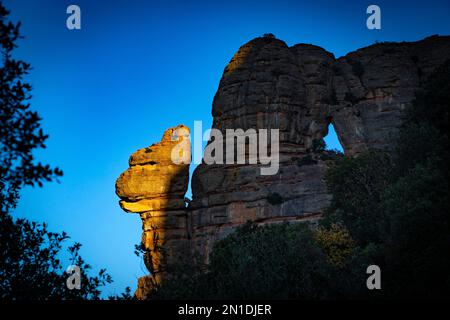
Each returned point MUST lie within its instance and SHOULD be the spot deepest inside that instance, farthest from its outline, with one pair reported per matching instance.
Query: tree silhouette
(20, 130)
(30, 255)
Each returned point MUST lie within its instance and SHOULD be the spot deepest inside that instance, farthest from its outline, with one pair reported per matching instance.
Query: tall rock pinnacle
(300, 91)
(154, 186)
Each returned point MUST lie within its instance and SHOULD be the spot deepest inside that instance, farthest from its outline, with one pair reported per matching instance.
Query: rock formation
(154, 186)
(299, 90)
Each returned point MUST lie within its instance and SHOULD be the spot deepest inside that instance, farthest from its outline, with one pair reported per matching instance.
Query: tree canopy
(389, 209)
(31, 256)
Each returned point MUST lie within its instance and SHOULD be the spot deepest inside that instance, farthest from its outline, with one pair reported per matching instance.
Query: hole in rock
(332, 140)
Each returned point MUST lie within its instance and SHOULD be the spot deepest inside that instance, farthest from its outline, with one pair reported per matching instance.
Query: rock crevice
(299, 90)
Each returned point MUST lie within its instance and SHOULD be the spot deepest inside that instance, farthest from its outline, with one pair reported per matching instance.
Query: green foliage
(31, 266)
(188, 280)
(357, 185)
(318, 151)
(240, 274)
(431, 103)
(305, 160)
(273, 262)
(30, 255)
(398, 206)
(332, 155)
(20, 131)
(387, 209)
(418, 209)
(336, 242)
(318, 145)
(123, 296)
(269, 35)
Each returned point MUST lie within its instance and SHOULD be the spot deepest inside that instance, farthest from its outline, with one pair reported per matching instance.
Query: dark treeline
(31, 266)
(387, 209)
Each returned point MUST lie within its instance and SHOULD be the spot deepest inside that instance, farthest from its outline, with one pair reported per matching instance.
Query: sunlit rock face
(299, 90)
(154, 186)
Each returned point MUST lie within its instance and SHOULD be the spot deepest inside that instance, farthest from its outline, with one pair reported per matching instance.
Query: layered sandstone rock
(154, 186)
(375, 84)
(267, 85)
(299, 90)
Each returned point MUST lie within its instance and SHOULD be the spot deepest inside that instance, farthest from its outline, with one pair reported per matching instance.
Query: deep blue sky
(139, 67)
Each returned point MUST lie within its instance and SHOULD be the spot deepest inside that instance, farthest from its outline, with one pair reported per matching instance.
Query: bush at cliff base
(389, 209)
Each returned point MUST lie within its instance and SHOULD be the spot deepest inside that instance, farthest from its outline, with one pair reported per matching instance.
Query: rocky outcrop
(154, 186)
(375, 84)
(299, 90)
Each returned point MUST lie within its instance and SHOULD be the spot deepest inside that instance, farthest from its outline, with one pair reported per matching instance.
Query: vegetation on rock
(389, 209)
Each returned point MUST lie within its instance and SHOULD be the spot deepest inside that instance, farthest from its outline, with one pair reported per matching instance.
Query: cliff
(299, 90)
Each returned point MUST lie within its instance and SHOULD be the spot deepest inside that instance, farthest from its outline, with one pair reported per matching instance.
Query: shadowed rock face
(299, 90)
(154, 186)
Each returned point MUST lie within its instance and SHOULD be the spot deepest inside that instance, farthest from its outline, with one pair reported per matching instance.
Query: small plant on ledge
(269, 35)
